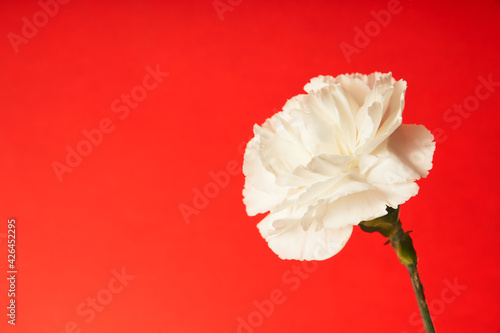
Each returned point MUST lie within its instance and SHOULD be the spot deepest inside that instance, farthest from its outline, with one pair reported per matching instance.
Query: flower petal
(354, 208)
(260, 193)
(405, 156)
(319, 82)
(280, 150)
(331, 105)
(288, 239)
(397, 194)
(413, 144)
(390, 100)
(322, 167)
(355, 87)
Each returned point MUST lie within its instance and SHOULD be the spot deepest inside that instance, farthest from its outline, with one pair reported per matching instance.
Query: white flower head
(334, 157)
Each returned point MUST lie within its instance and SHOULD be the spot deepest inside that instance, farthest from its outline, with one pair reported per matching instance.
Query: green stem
(403, 245)
(390, 226)
(419, 293)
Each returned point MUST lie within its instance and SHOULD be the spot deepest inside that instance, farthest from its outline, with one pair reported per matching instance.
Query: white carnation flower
(334, 157)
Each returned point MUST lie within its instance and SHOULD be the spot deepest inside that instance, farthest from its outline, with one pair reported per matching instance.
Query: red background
(120, 207)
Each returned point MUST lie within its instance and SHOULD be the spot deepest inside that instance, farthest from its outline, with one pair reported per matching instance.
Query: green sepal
(385, 224)
(390, 227)
(405, 250)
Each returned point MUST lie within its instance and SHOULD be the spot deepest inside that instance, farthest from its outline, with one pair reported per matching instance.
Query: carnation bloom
(334, 157)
